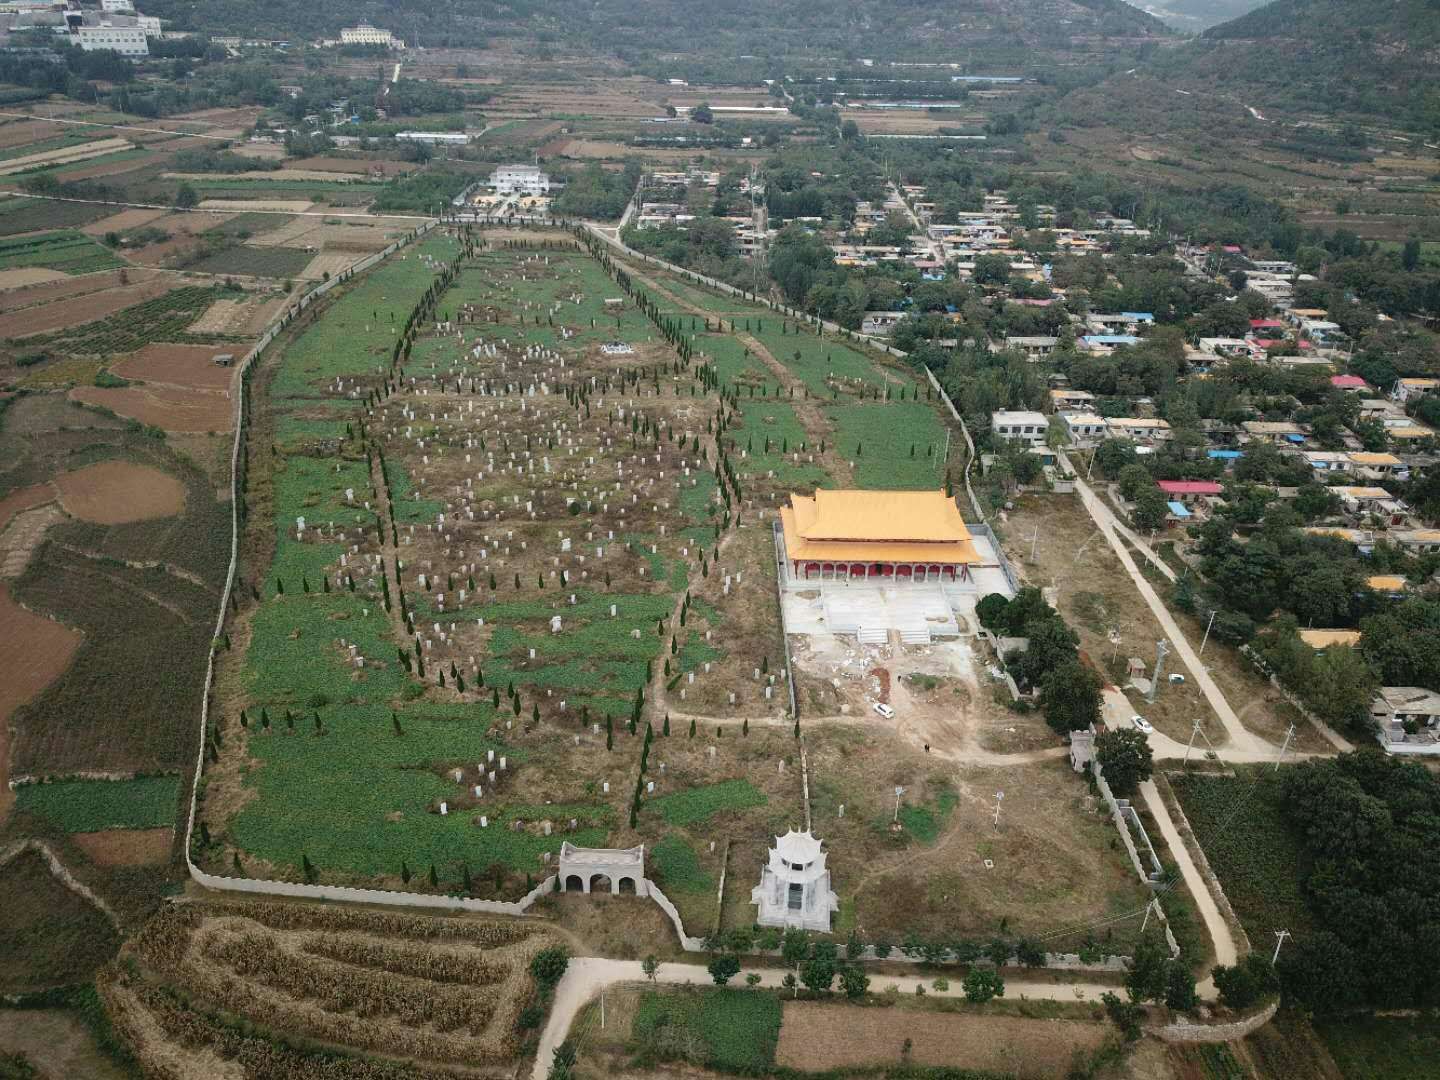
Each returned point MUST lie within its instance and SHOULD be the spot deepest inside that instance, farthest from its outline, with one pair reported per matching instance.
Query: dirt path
(588, 976)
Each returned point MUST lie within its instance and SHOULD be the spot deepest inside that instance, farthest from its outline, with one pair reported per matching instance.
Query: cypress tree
(692, 727)
(308, 868)
(404, 872)
(395, 723)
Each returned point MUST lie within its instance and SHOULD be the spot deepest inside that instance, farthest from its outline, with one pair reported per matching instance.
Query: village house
(1031, 427)
(1188, 492)
(1279, 432)
(1320, 640)
(1035, 347)
(1142, 429)
(1064, 399)
(1419, 541)
(1083, 428)
(1401, 711)
(1408, 389)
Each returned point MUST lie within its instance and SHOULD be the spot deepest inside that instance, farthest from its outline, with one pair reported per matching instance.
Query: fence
(780, 569)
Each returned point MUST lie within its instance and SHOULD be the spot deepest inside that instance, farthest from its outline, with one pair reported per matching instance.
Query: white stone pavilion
(794, 888)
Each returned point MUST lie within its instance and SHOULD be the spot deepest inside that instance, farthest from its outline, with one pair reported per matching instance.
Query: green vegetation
(925, 821)
(684, 808)
(737, 1030)
(161, 318)
(879, 438)
(50, 936)
(678, 867)
(271, 262)
(1240, 825)
(91, 805)
(68, 252)
(1383, 1048)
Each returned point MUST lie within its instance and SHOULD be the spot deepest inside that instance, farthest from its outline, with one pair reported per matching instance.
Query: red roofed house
(1188, 491)
(1266, 324)
(1348, 382)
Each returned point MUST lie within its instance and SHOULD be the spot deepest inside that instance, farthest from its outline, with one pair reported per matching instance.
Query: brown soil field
(122, 222)
(117, 492)
(173, 410)
(108, 168)
(70, 311)
(911, 122)
(56, 1043)
(816, 1036)
(28, 275)
(34, 651)
(23, 499)
(261, 151)
(331, 263)
(177, 365)
(126, 847)
(281, 206)
(19, 132)
(183, 229)
(79, 285)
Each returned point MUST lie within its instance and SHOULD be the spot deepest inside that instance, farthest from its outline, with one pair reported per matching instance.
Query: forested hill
(1378, 58)
(724, 29)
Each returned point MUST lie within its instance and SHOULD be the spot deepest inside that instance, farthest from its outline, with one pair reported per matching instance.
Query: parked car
(1177, 678)
(885, 710)
(1142, 725)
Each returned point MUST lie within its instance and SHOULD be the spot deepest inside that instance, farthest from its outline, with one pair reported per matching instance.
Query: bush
(1246, 983)
(548, 965)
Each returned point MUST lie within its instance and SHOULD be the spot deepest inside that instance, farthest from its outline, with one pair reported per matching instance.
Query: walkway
(1240, 738)
(587, 976)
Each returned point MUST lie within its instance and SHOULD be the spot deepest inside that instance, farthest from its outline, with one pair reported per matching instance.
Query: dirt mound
(126, 847)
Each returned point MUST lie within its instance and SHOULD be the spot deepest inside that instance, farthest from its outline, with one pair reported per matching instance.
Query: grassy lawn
(698, 804)
(91, 805)
(821, 360)
(1240, 827)
(734, 1030)
(893, 444)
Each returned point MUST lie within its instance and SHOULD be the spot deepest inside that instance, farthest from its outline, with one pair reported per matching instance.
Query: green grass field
(820, 358)
(66, 251)
(893, 444)
(739, 1029)
(91, 805)
(691, 807)
(271, 262)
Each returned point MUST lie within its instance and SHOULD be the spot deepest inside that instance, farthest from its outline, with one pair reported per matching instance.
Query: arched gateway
(614, 870)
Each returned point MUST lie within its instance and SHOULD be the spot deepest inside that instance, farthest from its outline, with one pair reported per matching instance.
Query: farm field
(322, 991)
(246, 261)
(171, 408)
(734, 1029)
(1372, 1048)
(119, 492)
(67, 251)
(54, 309)
(1238, 823)
(50, 936)
(79, 806)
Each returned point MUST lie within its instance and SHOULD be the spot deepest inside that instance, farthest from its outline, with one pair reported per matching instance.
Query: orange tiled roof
(876, 526)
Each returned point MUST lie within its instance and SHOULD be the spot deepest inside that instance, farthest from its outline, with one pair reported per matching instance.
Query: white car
(1142, 725)
(884, 710)
(1177, 678)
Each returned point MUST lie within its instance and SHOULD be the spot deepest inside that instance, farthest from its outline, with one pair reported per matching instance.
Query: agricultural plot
(50, 936)
(893, 444)
(66, 251)
(161, 318)
(732, 1030)
(239, 259)
(22, 215)
(92, 805)
(392, 995)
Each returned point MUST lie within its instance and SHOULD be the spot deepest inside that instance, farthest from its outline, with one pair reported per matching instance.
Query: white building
(119, 33)
(365, 34)
(520, 180)
(116, 5)
(435, 138)
(1084, 427)
(794, 887)
(1030, 427)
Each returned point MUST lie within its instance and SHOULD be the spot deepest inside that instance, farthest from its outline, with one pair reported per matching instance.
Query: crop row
(161, 318)
(276, 1009)
(381, 924)
(433, 964)
(141, 1011)
(339, 988)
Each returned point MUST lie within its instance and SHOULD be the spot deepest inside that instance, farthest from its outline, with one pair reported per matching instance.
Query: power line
(118, 127)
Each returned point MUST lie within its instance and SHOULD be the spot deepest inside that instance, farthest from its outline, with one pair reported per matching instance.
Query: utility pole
(1280, 936)
(999, 797)
(1206, 638)
(1194, 730)
(1154, 903)
(898, 792)
(1290, 734)
(1034, 541)
(1162, 649)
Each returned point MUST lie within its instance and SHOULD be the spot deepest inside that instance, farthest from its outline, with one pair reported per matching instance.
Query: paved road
(587, 976)
(1240, 738)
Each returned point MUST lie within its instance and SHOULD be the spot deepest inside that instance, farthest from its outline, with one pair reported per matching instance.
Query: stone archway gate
(581, 869)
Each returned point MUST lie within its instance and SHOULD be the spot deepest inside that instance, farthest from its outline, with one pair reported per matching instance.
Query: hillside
(1344, 58)
(999, 31)
(1192, 16)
